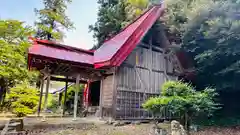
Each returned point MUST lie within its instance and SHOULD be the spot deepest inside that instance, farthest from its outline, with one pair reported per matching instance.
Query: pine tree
(52, 20)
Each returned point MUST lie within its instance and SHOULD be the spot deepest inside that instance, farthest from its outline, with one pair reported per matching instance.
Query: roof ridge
(127, 25)
(134, 32)
(64, 46)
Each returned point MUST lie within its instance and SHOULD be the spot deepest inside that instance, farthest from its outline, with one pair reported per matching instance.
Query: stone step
(11, 129)
(14, 124)
(15, 133)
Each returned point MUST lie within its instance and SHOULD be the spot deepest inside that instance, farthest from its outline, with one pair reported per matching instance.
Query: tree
(208, 30)
(112, 18)
(211, 37)
(209, 33)
(114, 15)
(13, 54)
(22, 99)
(53, 20)
(181, 98)
(136, 7)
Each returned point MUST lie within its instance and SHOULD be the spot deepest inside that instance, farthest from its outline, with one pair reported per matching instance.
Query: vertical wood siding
(139, 78)
(107, 95)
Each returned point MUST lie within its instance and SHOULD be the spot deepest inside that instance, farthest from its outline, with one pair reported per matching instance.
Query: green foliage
(111, 19)
(219, 121)
(212, 37)
(52, 102)
(71, 93)
(13, 53)
(52, 20)
(208, 31)
(22, 99)
(181, 98)
(135, 8)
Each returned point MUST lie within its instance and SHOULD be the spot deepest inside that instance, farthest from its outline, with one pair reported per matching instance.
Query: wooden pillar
(40, 98)
(76, 98)
(60, 99)
(46, 95)
(65, 96)
(114, 106)
(101, 98)
(165, 57)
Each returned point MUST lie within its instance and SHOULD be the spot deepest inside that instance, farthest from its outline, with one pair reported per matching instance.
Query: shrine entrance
(94, 93)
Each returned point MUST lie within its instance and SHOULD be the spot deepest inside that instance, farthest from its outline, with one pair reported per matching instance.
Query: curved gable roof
(115, 50)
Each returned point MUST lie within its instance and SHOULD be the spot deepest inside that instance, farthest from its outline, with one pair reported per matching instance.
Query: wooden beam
(76, 98)
(41, 94)
(101, 98)
(65, 96)
(114, 106)
(67, 80)
(60, 99)
(157, 49)
(46, 96)
(151, 64)
(144, 45)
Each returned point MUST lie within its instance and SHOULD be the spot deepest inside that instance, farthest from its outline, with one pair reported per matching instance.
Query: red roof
(113, 51)
(61, 52)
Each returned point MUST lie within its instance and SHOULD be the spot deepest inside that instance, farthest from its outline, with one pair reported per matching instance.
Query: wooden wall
(139, 78)
(107, 95)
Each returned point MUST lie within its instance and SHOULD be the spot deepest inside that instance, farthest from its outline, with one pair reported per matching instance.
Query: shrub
(71, 92)
(181, 98)
(52, 102)
(22, 99)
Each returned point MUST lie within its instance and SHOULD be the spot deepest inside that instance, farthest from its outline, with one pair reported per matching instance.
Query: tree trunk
(3, 90)
(186, 123)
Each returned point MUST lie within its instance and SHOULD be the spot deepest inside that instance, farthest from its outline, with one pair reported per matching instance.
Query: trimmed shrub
(22, 99)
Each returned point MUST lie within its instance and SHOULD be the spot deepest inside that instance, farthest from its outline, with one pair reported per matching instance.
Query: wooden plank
(76, 98)
(46, 96)
(53, 78)
(101, 98)
(65, 96)
(41, 94)
(107, 92)
(114, 93)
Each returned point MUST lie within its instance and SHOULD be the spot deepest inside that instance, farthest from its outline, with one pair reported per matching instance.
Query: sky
(82, 12)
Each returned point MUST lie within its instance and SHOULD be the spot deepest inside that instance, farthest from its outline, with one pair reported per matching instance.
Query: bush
(22, 99)
(181, 98)
(52, 102)
(71, 92)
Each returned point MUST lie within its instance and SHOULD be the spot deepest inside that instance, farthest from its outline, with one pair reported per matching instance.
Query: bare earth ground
(92, 126)
(143, 129)
(107, 130)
